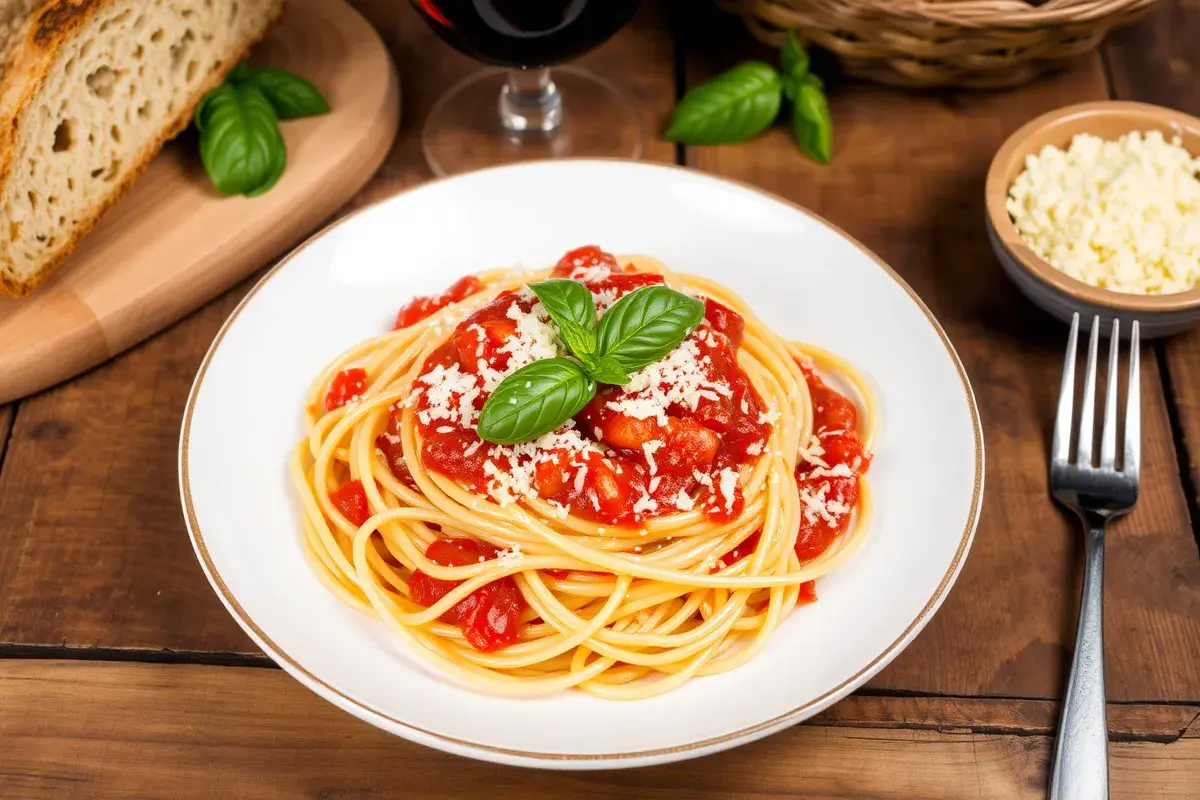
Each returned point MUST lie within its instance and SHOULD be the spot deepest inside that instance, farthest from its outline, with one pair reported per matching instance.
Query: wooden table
(122, 675)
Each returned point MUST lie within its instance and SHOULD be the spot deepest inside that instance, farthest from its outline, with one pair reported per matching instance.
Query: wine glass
(522, 111)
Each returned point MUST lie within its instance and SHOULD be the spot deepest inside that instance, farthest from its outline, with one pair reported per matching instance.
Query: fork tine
(1066, 398)
(1133, 408)
(1108, 433)
(1083, 453)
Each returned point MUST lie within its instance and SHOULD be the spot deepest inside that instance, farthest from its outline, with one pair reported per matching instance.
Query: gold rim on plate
(301, 673)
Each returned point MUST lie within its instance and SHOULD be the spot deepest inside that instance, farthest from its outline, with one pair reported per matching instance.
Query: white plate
(801, 275)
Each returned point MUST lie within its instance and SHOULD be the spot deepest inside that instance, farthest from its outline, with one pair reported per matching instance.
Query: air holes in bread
(63, 138)
(102, 80)
(179, 50)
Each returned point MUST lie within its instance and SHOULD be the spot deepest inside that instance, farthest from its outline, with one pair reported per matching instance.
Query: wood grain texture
(1157, 62)
(907, 180)
(172, 243)
(116, 731)
(93, 549)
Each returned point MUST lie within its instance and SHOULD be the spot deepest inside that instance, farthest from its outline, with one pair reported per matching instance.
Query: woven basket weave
(976, 43)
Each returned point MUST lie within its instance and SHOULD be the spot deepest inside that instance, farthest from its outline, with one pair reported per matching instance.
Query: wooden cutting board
(172, 243)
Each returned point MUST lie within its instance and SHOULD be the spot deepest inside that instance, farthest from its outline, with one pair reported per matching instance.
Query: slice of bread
(91, 91)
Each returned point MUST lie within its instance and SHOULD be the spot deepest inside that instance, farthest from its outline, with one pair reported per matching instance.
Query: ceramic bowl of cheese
(1127, 250)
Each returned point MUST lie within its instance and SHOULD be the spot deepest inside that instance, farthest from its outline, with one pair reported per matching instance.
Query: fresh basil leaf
(535, 400)
(292, 96)
(220, 92)
(732, 107)
(573, 311)
(607, 369)
(278, 165)
(793, 57)
(646, 324)
(240, 143)
(791, 87)
(812, 125)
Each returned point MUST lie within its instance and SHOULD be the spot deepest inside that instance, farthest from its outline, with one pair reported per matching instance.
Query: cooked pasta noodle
(622, 609)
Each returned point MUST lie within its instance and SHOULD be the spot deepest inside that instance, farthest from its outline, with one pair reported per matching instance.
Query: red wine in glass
(526, 33)
(522, 112)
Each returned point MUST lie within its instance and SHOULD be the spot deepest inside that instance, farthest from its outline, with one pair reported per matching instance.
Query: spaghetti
(663, 532)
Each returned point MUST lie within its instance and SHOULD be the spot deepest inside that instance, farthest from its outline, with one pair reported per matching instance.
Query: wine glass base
(464, 130)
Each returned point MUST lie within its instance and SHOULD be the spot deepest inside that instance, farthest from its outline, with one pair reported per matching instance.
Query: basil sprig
(811, 124)
(645, 325)
(573, 312)
(743, 102)
(640, 328)
(732, 107)
(240, 144)
(241, 147)
(535, 400)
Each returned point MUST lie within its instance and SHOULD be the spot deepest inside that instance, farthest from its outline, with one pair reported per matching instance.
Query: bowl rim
(997, 187)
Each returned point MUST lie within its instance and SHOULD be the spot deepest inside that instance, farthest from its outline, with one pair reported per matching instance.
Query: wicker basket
(976, 43)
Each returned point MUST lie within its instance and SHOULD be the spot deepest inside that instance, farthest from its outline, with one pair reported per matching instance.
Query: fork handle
(1081, 753)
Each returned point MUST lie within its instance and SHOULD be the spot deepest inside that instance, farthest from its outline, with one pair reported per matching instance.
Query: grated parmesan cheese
(649, 449)
(1122, 215)
(510, 556)
(728, 487)
(679, 378)
(645, 503)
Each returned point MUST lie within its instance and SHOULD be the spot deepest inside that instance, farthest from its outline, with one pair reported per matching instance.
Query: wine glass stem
(530, 102)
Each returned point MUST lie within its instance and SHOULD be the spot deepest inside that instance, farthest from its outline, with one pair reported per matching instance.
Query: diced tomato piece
(726, 320)
(626, 282)
(488, 616)
(351, 501)
(419, 308)
(459, 552)
(716, 415)
(688, 446)
(483, 340)
(836, 412)
(613, 491)
(719, 509)
(347, 385)
(582, 258)
(817, 534)
(549, 478)
(844, 449)
(629, 432)
(447, 453)
(493, 621)
(427, 590)
(808, 593)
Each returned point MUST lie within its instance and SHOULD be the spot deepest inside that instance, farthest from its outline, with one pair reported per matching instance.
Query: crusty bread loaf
(90, 92)
(15, 16)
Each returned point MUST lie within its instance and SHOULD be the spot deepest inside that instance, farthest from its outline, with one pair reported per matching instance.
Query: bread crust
(29, 65)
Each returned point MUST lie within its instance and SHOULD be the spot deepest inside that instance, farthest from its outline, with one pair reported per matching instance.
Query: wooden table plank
(122, 730)
(93, 549)
(1157, 62)
(907, 180)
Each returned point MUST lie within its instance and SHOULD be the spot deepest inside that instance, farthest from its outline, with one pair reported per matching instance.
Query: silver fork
(1098, 494)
